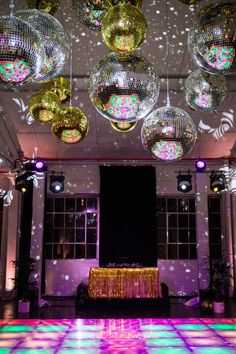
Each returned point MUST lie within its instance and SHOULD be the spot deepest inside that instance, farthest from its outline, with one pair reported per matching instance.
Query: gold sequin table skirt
(124, 283)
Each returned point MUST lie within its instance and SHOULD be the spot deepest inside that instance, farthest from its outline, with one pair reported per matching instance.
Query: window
(1, 216)
(71, 227)
(176, 228)
(214, 219)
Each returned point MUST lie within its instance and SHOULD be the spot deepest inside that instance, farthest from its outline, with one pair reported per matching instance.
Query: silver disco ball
(21, 51)
(204, 92)
(124, 90)
(55, 43)
(168, 133)
(212, 41)
(91, 12)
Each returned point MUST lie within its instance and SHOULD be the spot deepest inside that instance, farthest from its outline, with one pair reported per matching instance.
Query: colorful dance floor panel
(133, 336)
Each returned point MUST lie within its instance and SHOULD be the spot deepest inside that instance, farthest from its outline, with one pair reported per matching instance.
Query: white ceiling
(217, 131)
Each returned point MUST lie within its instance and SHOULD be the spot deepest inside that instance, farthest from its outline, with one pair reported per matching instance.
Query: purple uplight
(200, 165)
(40, 166)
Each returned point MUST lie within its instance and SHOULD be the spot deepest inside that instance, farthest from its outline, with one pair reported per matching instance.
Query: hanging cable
(11, 7)
(167, 56)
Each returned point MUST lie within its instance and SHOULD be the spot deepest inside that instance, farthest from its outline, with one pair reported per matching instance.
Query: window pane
(91, 235)
(215, 251)
(91, 204)
(214, 204)
(192, 236)
(59, 235)
(161, 220)
(80, 220)
(48, 226)
(58, 251)
(91, 219)
(161, 235)
(48, 251)
(70, 220)
(183, 252)
(68, 251)
(192, 221)
(80, 235)
(59, 205)
(49, 204)
(215, 236)
(192, 205)
(69, 235)
(171, 204)
(172, 252)
(81, 204)
(183, 235)
(173, 235)
(183, 220)
(91, 251)
(161, 204)
(58, 220)
(80, 251)
(193, 252)
(162, 251)
(183, 205)
(70, 204)
(214, 220)
(172, 220)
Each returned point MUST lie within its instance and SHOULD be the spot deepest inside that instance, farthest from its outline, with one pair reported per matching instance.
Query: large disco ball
(49, 6)
(70, 125)
(43, 106)
(168, 133)
(204, 92)
(21, 51)
(55, 43)
(124, 28)
(61, 86)
(91, 12)
(212, 41)
(124, 90)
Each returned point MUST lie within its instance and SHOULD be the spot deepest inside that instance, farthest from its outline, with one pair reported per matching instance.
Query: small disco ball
(204, 92)
(168, 133)
(137, 3)
(91, 12)
(54, 41)
(43, 106)
(70, 125)
(190, 2)
(124, 90)
(124, 28)
(48, 6)
(212, 41)
(61, 86)
(123, 127)
(21, 51)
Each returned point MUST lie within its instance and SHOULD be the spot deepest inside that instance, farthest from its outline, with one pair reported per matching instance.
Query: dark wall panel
(127, 215)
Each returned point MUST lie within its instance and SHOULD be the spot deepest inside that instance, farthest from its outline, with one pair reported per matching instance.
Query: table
(124, 283)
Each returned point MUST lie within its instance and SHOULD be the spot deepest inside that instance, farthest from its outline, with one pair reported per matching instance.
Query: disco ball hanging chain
(168, 133)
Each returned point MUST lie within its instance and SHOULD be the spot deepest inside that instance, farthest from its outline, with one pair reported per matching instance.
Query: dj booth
(124, 283)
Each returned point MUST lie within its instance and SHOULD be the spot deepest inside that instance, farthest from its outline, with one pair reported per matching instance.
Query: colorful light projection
(21, 51)
(204, 92)
(124, 28)
(168, 133)
(212, 41)
(145, 335)
(124, 90)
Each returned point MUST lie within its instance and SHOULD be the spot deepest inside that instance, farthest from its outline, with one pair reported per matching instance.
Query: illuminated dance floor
(161, 336)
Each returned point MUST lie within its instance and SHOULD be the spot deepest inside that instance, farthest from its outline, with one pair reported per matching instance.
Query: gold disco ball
(70, 125)
(137, 3)
(123, 127)
(61, 86)
(124, 28)
(48, 6)
(43, 106)
(190, 2)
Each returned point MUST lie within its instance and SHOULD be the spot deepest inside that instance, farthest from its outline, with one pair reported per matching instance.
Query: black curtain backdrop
(127, 215)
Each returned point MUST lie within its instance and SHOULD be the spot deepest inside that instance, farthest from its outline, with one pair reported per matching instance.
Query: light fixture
(56, 183)
(200, 165)
(217, 181)
(35, 166)
(184, 183)
(22, 181)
